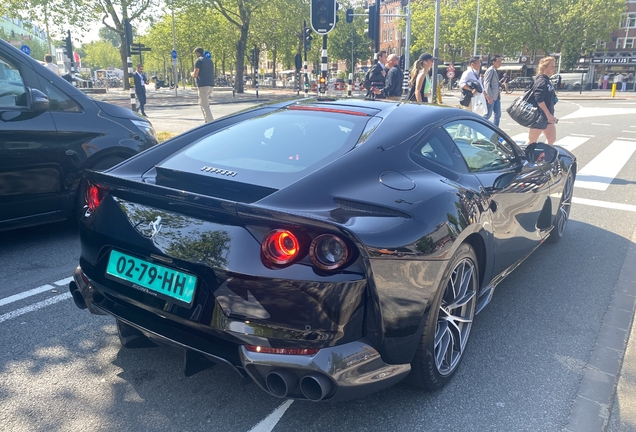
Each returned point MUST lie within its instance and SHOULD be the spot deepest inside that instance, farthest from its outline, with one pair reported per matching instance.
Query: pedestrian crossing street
(599, 173)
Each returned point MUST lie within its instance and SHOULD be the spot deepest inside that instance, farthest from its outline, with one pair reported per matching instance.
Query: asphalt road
(63, 369)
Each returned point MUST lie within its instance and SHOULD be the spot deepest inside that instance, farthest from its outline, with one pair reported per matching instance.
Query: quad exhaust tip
(77, 295)
(280, 383)
(315, 387)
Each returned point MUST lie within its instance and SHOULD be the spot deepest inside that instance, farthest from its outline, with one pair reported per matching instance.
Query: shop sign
(614, 60)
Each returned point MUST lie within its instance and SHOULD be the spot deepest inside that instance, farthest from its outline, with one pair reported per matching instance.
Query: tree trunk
(274, 52)
(240, 56)
(124, 62)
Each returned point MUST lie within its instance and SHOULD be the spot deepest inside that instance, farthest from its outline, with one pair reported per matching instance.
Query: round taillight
(93, 197)
(328, 252)
(280, 246)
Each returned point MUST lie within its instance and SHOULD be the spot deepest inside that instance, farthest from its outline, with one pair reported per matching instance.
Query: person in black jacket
(140, 87)
(394, 78)
(544, 96)
(376, 76)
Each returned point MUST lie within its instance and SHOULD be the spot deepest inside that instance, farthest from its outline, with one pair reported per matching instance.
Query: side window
(482, 148)
(58, 99)
(438, 148)
(12, 90)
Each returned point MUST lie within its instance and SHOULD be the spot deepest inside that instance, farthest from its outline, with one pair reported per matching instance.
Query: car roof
(381, 108)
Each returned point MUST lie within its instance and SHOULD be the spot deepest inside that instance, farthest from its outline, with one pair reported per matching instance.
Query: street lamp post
(174, 47)
(476, 30)
(436, 49)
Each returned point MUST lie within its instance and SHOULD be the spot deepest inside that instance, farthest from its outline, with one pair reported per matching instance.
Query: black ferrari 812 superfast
(324, 248)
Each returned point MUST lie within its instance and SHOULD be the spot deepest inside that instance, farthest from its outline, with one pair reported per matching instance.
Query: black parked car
(323, 248)
(49, 133)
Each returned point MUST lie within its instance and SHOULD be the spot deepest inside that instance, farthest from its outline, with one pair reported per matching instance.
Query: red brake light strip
(331, 110)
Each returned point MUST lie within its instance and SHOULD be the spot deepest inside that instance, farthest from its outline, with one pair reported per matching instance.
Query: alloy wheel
(455, 318)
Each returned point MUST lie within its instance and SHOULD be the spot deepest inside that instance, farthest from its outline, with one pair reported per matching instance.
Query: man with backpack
(375, 78)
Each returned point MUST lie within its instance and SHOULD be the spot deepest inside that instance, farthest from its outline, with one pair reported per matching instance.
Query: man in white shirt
(48, 63)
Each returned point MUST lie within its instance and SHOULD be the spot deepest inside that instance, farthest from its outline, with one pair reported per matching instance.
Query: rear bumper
(335, 373)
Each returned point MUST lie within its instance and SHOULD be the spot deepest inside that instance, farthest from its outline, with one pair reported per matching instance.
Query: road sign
(25, 49)
(173, 54)
(451, 67)
(450, 74)
(174, 62)
(207, 54)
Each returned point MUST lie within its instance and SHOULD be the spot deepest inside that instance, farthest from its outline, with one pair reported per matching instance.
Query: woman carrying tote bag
(545, 98)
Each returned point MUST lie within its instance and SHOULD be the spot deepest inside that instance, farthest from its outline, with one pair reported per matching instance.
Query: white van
(570, 81)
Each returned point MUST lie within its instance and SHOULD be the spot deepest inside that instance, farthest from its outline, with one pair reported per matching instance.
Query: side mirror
(541, 153)
(502, 182)
(38, 101)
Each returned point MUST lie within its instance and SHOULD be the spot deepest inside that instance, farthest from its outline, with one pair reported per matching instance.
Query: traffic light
(68, 47)
(128, 34)
(349, 15)
(372, 23)
(323, 15)
(322, 84)
(308, 39)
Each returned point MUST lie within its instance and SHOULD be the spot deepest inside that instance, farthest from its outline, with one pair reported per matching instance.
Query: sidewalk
(566, 95)
(188, 96)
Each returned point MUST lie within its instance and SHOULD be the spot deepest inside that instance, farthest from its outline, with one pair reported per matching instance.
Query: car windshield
(284, 141)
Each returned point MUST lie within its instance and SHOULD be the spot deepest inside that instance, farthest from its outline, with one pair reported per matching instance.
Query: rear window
(279, 142)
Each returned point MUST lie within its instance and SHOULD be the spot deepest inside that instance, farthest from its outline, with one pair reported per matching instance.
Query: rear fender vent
(370, 209)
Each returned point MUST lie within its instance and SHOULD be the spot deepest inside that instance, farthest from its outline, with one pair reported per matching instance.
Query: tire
(444, 339)
(563, 213)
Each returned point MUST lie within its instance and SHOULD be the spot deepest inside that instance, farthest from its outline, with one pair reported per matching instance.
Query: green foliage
(100, 55)
(508, 27)
(348, 40)
(108, 35)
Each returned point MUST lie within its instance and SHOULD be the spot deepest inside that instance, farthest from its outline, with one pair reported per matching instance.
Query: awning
(512, 67)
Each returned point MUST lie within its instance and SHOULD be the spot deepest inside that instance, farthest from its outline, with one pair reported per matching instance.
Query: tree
(100, 55)
(239, 14)
(348, 41)
(109, 35)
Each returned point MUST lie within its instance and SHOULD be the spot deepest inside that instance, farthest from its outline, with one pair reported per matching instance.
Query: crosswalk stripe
(571, 142)
(601, 171)
(522, 137)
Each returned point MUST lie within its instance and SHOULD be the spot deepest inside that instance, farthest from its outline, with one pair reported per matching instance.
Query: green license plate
(151, 278)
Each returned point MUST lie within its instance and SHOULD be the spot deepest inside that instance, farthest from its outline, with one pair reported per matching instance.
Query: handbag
(525, 112)
(479, 104)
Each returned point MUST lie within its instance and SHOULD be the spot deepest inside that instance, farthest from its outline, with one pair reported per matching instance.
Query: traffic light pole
(131, 79)
(323, 65)
(305, 62)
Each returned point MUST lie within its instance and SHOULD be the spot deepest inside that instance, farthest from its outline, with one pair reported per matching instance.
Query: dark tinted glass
(280, 142)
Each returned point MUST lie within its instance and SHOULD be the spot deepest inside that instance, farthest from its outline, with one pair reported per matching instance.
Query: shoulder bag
(525, 112)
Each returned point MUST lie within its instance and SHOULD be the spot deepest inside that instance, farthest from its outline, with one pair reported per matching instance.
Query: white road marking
(52, 300)
(601, 171)
(25, 294)
(604, 204)
(626, 138)
(269, 422)
(627, 131)
(571, 142)
(566, 122)
(63, 282)
(520, 137)
(598, 112)
(600, 124)
(585, 135)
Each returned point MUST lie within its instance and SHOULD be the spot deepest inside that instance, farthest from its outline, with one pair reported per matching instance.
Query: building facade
(618, 55)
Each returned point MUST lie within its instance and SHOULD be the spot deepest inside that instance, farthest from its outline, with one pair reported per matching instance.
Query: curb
(592, 406)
